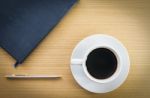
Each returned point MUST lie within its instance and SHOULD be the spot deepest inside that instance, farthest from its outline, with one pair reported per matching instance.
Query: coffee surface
(101, 63)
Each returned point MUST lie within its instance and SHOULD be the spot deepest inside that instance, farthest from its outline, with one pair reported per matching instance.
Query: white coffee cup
(82, 62)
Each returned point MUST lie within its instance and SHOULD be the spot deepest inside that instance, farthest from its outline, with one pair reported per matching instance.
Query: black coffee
(101, 63)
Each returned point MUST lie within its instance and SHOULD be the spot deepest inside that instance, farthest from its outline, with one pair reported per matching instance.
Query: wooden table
(127, 20)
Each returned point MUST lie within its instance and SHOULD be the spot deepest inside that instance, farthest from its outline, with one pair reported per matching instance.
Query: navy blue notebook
(24, 23)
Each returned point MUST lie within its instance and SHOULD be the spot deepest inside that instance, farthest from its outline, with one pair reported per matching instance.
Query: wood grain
(127, 20)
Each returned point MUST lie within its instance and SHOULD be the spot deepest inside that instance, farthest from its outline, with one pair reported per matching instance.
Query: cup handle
(76, 61)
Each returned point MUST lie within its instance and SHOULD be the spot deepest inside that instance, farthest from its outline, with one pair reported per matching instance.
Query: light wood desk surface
(127, 20)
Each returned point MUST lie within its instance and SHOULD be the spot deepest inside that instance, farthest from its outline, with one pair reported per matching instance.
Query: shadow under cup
(101, 63)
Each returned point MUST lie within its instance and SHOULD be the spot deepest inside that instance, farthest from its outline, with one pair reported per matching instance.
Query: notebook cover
(24, 23)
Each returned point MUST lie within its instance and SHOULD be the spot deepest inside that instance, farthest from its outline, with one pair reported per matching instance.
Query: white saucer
(78, 72)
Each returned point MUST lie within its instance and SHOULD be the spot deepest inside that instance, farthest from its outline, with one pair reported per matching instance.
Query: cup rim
(110, 78)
